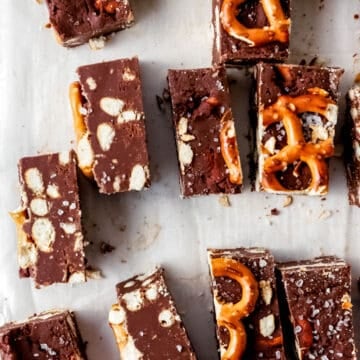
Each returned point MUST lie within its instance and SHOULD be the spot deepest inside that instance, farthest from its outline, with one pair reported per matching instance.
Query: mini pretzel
(229, 148)
(79, 120)
(278, 30)
(286, 109)
(230, 314)
(120, 334)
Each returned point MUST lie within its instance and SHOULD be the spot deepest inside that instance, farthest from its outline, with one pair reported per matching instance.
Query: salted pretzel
(285, 110)
(230, 315)
(120, 334)
(278, 29)
(229, 148)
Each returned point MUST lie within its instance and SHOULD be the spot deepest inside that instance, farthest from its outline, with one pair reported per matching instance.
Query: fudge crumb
(356, 16)
(325, 214)
(275, 212)
(288, 201)
(224, 201)
(97, 43)
(166, 95)
(160, 103)
(106, 248)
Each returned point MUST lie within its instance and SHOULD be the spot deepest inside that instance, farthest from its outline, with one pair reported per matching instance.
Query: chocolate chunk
(295, 108)
(246, 304)
(205, 132)
(319, 304)
(245, 33)
(50, 238)
(110, 125)
(352, 145)
(49, 335)
(75, 22)
(145, 322)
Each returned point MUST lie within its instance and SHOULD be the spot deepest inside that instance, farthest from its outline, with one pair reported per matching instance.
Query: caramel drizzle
(230, 315)
(278, 30)
(286, 109)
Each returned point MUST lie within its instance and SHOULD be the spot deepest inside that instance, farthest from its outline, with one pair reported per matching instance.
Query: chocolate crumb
(160, 103)
(48, 26)
(106, 248)
(275, 212)
(356, 16)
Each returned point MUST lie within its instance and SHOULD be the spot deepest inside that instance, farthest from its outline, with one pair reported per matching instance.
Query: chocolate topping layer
(75, 22)
(200, 101)
(230, 50)
(49, 335)
(50, 239)
(318, 295)
(261, 264)
(151, 326)
(114, 119)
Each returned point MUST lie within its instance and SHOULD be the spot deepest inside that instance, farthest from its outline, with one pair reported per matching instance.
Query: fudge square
(250, 31)
(318, 295)
(145, 322)
(295, 108)
(352, 145)
(50, 335)
(205, 133)
(110, 125)
(50, 238)
(246, 304)
(76, 22)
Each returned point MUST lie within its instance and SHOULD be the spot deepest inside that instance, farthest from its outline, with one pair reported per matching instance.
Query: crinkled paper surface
(156, 226)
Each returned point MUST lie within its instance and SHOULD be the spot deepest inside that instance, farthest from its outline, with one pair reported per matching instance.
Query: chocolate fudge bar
(145, 322)
(50, 238)
(318, 296)
(205, 132)
(250, 31)
(352, 145)
(49, 335)
(295, 108)
(110, 125)
(246, 304)
(75, 22)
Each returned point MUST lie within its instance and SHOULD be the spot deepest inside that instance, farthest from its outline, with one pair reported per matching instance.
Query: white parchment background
(156, 227)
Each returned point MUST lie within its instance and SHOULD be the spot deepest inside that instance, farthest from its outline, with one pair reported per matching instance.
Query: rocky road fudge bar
(110, 128)
(145, 322)
(205, 132)
(49, 335)
(246, 304)
(352, 145)
(295, 108)
(250, 30)
(75, 22)
(50, 239)
(318, 296)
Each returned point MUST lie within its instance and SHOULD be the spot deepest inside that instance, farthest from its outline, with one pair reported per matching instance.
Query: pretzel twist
(230, 314)
(229, 148)
(278, 29)
(286, 109)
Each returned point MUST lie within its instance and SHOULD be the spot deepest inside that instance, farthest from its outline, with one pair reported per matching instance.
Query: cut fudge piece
(75, 22)
(318, 296)
(246, 304)
(145, 322)
(250, 31)
(295, 108)
(205, 132)
(49, 335)
(50, 239)
(110, 125)
(352, 145)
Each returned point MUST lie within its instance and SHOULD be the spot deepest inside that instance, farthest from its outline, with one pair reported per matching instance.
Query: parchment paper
(156, 226)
